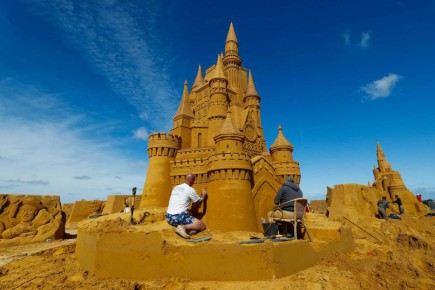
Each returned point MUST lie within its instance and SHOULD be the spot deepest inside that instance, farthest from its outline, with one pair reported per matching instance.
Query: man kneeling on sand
(177, 214)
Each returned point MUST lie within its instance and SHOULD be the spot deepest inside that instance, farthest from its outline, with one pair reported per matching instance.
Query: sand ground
(392, 254)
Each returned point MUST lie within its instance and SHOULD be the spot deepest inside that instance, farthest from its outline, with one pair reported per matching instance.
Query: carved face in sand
(27, 212)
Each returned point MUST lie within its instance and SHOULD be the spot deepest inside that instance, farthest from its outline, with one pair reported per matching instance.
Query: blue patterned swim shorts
(183, 218)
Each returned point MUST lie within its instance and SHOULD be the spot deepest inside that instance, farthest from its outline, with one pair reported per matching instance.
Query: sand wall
(83, 209)
(115, 203)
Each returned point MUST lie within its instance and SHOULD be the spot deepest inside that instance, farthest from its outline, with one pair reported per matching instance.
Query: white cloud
(381, 88)
(120, 42)
(346, 38)
(365, 40)
(144, 115)
(45, 149)
(141, 133)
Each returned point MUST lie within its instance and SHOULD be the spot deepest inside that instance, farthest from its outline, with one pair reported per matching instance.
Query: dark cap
(290, 179)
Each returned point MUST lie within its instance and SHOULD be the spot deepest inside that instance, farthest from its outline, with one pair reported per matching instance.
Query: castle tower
(232, 60)
(282, 157)
(230, 177)
(384, 166)
(198, 79)
(183, 119)
(389, 182)
(162, 149)
(252, 101)
(218, 101)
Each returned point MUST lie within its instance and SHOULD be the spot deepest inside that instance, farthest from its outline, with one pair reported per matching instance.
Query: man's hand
(204, 193)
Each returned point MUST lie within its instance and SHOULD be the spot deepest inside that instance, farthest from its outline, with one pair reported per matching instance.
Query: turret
(198, 79)
(252, 101)
(229, 138)
(218, 101)
(162, 149)
(232, 60)
(384, 166)
(281, 150)
(230, 176)
(282, 157)
(183, 119)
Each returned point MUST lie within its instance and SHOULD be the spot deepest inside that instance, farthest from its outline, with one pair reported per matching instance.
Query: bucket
(270, 229)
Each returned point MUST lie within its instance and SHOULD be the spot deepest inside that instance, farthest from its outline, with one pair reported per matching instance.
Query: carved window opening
(199, 140)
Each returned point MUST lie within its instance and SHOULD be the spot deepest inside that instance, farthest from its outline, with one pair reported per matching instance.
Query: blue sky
(83, 83)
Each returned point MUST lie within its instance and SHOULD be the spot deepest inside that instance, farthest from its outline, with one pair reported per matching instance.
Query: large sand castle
(218, 136)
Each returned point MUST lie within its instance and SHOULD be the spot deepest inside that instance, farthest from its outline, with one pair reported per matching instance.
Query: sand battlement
(163, 139)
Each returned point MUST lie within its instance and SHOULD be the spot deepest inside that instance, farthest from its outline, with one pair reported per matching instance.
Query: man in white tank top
(177, 214)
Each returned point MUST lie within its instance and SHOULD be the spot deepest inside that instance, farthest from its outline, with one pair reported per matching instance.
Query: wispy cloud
(141, 133)
(82, 177)
(346, 38)
(41, 182)
(44, 146)
(120, 41)
(381, 88)
(365, 40)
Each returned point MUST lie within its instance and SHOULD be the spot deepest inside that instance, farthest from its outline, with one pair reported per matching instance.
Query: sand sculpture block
(318, 206)
(30, 218)
(116, 203)
(83, 209)
(67, 208)
(353, 201)
(110, 247)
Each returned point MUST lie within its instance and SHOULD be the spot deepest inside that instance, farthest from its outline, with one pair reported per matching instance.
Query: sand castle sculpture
(26, 218)
(356, 200)
(389, 183)
(217, 135)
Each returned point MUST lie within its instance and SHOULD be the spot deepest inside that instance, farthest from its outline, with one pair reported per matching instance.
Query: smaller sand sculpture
(118, 203)
(84, 209)
(26, 218)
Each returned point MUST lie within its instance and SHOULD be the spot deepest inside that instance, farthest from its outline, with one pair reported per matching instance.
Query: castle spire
(232, 44)
(379, 152)
(251, 90)
(281, 141)
(231, 36)
(229, 128)
(384, 165)
(184, 108)
(199, 79)
(219, 70)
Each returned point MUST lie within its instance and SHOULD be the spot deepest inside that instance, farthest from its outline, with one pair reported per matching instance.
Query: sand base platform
(110, 247)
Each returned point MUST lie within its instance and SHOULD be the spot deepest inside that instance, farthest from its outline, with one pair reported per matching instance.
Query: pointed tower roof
(219, 72)
(184, 108)
(281, 141)
(379, 151)
(199, 79)
(231, 36)
(251, 90)
(229, 128)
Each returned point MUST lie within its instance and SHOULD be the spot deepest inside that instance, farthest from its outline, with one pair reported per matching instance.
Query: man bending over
(177, 214)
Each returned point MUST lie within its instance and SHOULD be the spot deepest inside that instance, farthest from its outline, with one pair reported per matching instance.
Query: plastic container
(270, 229)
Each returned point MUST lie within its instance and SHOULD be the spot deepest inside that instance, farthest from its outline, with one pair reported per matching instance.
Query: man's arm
(278, 196)
(198, 199)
